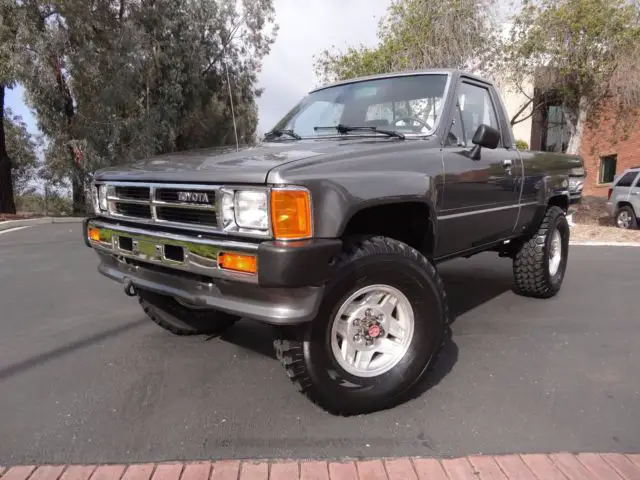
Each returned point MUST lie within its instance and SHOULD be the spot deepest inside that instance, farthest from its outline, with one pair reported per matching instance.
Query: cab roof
(454, 73)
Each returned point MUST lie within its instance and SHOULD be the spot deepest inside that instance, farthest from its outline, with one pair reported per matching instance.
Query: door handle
(507, 163)
(635, 193)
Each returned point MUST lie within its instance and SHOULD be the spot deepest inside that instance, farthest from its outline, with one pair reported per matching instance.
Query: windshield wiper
(278, 132)
(348, 128)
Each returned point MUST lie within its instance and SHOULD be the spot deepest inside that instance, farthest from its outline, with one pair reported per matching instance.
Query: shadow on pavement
(256, 336)
(468, 289)
(20, 367)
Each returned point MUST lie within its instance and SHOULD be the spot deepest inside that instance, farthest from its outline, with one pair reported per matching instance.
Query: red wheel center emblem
(374, 331)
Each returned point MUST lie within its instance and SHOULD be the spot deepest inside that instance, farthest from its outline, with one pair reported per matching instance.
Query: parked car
(624, 199)
(332, 228)
(576, 184)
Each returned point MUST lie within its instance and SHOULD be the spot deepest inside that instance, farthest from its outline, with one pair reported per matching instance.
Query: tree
(115, 80)
(582, 53)
(22, 149)
(8, 32)
(418, 34)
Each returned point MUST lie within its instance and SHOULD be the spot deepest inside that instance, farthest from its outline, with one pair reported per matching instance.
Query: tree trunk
(577, 124)
(7, 204)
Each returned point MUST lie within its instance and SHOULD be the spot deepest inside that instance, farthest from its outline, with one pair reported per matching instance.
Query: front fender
(336, 200)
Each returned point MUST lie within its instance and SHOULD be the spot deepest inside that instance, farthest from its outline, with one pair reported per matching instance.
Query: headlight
(250, 208)
(102, 198)
(244, 209)
(226, 206)
(100, 203)
(576, 184)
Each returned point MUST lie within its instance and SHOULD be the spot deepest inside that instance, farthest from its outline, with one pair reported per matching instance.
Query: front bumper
(287, 288)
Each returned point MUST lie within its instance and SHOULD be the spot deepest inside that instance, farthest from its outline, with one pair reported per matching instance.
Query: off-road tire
(633, 224)
(176, 318)
(531, 262)
(305, 352)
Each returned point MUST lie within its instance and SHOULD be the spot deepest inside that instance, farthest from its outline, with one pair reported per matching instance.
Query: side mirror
(485, 136)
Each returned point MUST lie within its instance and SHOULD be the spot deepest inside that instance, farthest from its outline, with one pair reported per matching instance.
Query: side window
(474, 107)
(456, 134)
(627, 179)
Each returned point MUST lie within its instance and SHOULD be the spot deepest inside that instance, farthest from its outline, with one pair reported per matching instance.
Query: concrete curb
(606, 466)
(28, 222)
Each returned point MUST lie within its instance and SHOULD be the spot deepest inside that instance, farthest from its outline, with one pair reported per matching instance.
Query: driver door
(480, 197)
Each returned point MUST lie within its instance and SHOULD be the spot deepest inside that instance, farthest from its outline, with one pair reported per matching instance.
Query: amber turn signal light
(93, 234)
(291, 214)
(238, 262)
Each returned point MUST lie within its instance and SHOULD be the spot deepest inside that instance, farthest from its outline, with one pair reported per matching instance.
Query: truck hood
(249, 165)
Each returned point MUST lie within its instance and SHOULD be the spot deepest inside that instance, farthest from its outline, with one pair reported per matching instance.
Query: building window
(608, 168)
(556, 135)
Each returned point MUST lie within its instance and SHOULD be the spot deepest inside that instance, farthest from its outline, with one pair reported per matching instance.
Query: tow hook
(129, 288)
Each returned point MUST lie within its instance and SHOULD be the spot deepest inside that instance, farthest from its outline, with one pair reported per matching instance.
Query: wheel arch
(409, 221)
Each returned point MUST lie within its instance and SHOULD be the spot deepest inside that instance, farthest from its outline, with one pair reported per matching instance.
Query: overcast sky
(306, 28)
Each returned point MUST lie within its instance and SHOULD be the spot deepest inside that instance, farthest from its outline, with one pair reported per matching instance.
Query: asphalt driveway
(86, 378)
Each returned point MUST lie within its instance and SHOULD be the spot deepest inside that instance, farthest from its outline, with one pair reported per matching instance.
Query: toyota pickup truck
(332, 227)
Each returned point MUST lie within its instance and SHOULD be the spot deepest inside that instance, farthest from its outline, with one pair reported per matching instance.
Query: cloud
(306, 28)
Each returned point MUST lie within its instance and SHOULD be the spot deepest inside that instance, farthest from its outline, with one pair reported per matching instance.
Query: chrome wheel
(372, 330)
(624, 219)
(555, 252)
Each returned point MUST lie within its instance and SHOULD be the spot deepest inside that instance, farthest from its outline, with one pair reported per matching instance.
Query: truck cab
(332, 227)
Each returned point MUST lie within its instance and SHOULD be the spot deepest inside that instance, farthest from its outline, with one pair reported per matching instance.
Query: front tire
(626, 218)
(178, 319)
(540, 263)
(378, 330)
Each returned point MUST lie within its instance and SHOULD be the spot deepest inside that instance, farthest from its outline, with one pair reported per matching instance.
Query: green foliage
(582, 51)
(522, 145)
(21, 147)
(113, 80)
(9, 21)
(415, 35)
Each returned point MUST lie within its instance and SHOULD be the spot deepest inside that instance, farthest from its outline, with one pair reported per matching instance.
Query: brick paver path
(561, 466)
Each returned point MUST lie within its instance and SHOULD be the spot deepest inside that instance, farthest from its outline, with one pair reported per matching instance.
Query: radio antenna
(233, 115)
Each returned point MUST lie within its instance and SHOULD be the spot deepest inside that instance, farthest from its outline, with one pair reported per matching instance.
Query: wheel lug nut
(356, 322)
(357, 337)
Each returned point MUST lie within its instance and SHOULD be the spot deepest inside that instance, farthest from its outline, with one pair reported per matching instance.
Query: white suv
(624, 199)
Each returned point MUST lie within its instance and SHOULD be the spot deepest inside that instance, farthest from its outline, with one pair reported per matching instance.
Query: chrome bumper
(198, 255)
(197, 279)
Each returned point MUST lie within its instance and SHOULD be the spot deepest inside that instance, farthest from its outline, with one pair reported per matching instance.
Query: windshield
(409, 105)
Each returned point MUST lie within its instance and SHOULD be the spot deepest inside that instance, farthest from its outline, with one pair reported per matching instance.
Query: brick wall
(605, 137)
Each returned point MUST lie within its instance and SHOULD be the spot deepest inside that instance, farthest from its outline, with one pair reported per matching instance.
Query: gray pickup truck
(332, 227)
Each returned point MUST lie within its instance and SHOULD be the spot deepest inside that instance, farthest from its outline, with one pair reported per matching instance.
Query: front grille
(132, 193)
(187, 215)
(186, 206)
(198, 197)
(133, 210)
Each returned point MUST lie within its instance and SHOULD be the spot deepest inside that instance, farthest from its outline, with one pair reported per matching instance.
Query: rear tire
(178, 319)
(626, 218)
(540, 263)
(351, 384)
